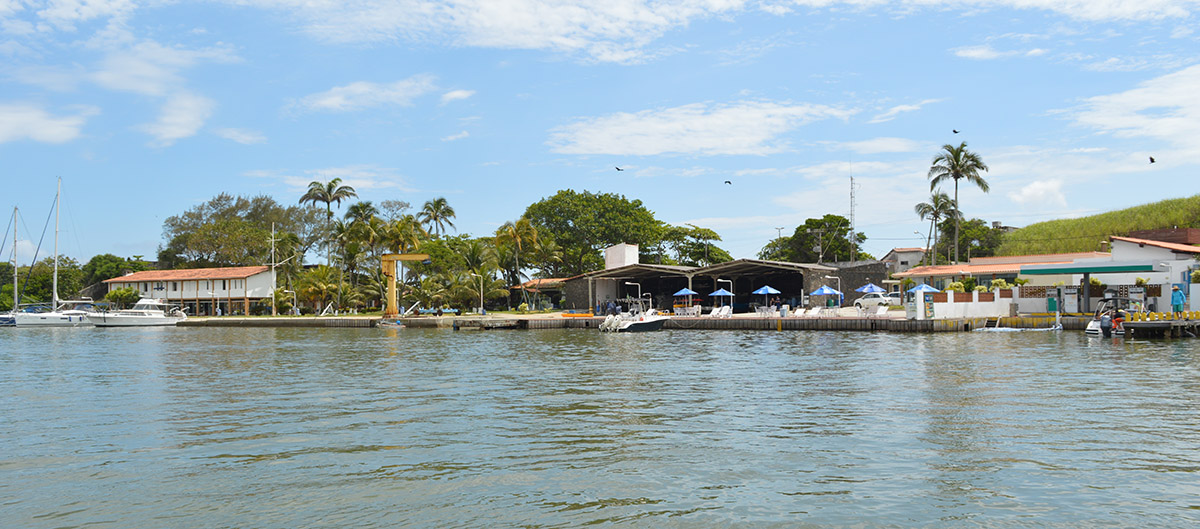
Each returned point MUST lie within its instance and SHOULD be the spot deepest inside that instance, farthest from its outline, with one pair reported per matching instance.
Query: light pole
(730, 281)
(839, 284)
(639, 285)
(480, 292)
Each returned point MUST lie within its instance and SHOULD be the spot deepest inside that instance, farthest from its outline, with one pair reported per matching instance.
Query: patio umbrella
(869, 288)
(722, 292)
(825, 291)
(687, 292)
(923, 288)
(766, 290)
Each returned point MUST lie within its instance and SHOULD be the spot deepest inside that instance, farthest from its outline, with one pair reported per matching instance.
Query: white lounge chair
(726, 312)
(879, 312)
(716, 312)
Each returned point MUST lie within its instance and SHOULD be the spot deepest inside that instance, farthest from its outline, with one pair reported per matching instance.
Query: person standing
(1178, 299)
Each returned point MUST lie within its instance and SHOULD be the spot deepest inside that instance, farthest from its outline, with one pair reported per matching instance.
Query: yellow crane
(389, 271)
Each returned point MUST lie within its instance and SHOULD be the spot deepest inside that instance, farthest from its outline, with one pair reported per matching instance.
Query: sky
(146, 109)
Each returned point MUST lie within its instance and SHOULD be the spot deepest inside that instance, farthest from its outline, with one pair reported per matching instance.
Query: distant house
(985, 269)
(202, 290)
(902, 259)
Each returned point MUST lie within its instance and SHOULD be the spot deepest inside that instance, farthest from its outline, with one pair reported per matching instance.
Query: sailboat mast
(15, 294)
(54, 292)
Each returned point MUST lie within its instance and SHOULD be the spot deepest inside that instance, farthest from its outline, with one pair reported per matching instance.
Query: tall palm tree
(957, 163)
(520, 234)
(940, 206)
(436, 214)
(331, 192)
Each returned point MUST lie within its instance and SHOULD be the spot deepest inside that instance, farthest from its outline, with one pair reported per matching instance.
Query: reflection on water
(381, 428)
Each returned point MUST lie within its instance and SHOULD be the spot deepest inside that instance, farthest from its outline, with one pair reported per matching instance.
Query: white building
(202, 290)
(902, 259)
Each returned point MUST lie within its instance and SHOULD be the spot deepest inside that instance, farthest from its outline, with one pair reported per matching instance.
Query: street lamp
(839, 284)
(730, 281)
(480, 292)
(639, 285)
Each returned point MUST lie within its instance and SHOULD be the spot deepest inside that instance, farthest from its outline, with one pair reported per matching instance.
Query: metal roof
(1103, 267)
(740, 267)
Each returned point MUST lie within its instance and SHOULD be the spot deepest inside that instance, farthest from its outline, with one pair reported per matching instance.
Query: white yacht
(67, 314)
(146, 313)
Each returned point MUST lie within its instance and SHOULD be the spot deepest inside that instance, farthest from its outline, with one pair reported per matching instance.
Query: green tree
(776, 250)
(319, 286)
(693, 245)
(197, 237)
(583, 224)
(940, 206)
(328, 193)
(957, 163)
(123, 297)
(108, 266)
(520, 235)
(826, 237)
(38, 286)
(436, 215)
(976, 235)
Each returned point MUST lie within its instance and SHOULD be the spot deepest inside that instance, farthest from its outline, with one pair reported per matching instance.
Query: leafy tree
(957, 163)
(319, 286)
(234, 231)
(436, 215)
(123, 297)
(393, 209)
(108, 266)
(38, 286)
(976, 234)
(692, 245)
(583, 224)
(776, 250)
(329, 193)
(940, 206)
(817, 239)
(519, 235)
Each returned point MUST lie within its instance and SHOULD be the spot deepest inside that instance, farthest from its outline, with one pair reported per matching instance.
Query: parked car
(896, 297)
(875, 299)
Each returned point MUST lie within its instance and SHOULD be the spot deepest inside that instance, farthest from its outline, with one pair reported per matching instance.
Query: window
(174, 286)
(145, 287)
(903, 263)
(223, 285)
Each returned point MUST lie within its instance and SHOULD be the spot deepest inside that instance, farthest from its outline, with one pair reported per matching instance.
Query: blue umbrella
(825, 291)
(722, 292)
(686, 292)
(923, 288)
(766, 290)
(869, 288)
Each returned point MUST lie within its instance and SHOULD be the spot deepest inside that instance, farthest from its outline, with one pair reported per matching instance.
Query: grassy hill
(1085, 233)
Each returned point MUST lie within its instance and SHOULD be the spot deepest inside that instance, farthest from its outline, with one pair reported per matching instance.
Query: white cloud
(455, 95)
(242, 136)
(150, 68)
(746, 127)
(458, 136)
(63, 14)
(891, 113)
(182, 116)
(29, 122)
(360, 177)
(1043, 193)
(982, 52)
(883, 145)
(1164, 108)
(362, 94)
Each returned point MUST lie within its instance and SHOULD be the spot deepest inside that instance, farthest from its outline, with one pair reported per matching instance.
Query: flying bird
(954, 131)
(1151, 159)
(728, 182)
(619, 169)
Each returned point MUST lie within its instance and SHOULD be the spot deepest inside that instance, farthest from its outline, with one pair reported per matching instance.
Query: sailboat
(62, 313)
(7, 320)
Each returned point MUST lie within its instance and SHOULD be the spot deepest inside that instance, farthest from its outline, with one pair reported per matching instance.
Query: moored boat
(146, 313)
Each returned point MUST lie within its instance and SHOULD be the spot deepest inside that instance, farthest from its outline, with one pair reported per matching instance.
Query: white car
(875, 299)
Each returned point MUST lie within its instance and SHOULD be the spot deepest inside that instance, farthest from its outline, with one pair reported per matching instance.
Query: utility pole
(820, 249)
(853, 242)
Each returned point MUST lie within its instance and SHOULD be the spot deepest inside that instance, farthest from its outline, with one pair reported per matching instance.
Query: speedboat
(146, 313)
(636, 320)
(1114, 304)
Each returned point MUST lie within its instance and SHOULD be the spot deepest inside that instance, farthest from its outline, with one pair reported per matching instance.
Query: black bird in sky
(728, 182)
(619, 169)
(954, 131)
(1151, 159)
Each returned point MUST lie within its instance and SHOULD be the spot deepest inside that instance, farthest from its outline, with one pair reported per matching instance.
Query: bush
(981, 288)
(1196, 276)
(998, 284)
(524, 307)
(956, 286)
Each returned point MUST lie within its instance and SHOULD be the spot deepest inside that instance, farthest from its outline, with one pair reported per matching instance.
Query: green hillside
(1084, 234)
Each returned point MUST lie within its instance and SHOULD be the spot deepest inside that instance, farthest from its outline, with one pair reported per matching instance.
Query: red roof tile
(1173, 246)
(191, 274)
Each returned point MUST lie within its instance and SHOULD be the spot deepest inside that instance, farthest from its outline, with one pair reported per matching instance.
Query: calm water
(412, 428)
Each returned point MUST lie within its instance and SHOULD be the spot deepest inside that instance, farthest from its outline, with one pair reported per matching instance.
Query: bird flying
(1151, 159)
(728, 182)
(954, 131)
(619, 169)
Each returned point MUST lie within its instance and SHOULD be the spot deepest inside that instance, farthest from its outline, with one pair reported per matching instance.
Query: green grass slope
(1085, 233)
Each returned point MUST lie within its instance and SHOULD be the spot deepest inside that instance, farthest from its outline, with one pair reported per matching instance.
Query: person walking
(1178, 299)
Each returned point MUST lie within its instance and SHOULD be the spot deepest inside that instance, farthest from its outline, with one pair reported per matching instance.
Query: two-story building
(203, 291)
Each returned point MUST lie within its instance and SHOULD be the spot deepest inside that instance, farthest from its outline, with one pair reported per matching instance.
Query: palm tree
(939, 207)
(330, 192)
(957, 163)
(519, 234)
(437, 214)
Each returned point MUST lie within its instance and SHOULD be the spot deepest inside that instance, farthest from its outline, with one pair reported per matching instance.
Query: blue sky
(146, 109)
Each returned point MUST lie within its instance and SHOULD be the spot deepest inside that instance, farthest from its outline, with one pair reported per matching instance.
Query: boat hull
(50, 319)
(654, 324)
(111, 320)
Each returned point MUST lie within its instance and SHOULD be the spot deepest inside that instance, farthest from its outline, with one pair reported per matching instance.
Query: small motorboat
(636, 320)
(1107, 312)
(146, 313)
